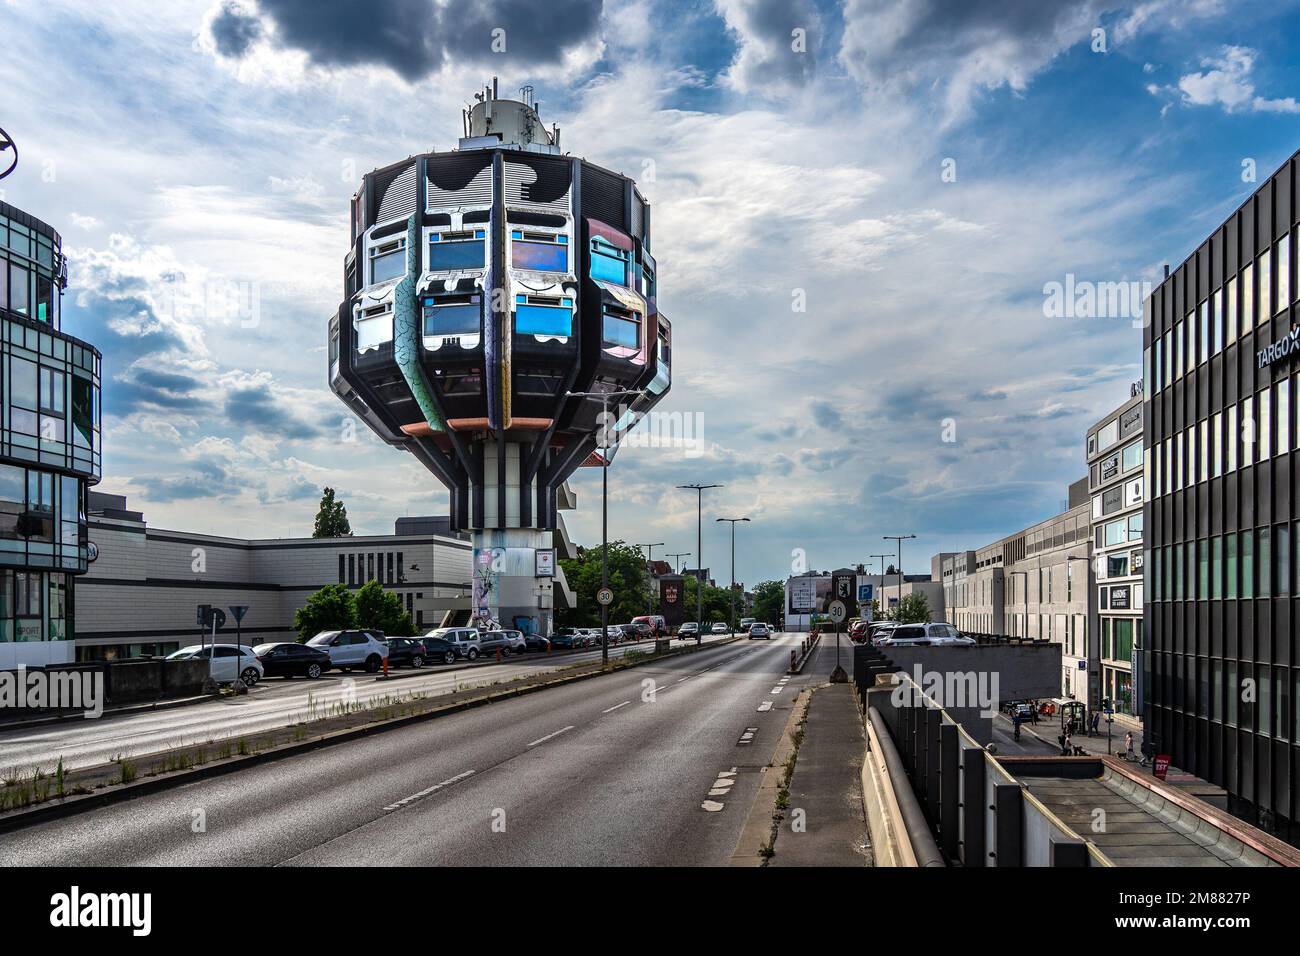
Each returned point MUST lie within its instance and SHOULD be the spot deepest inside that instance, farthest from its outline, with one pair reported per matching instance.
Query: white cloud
(1227, 81)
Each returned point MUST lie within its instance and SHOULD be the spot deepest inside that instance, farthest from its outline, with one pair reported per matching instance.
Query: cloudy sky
(858, 207)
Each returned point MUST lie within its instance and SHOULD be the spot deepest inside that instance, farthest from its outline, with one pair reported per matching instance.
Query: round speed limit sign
(838, 612)
(605, 596)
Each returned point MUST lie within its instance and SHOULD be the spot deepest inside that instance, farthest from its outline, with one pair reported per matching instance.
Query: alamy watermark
(949, 689)
(1081, 299)
(627, 428)
(53, 690)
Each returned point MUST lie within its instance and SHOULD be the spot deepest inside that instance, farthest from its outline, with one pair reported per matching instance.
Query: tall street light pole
(678, 555)
(699, 549)
(732, 622)
(900, 538)
(649, 561)
(882, 563)
(605, 428)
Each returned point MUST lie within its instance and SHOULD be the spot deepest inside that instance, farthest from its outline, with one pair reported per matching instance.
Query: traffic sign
(838, 612)
(605, 596)
(239, 610)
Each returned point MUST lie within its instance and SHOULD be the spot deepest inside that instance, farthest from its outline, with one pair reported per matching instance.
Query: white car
(231, 661)
(907, 635)
(516, 641)
(759, 629)
(466, 641)
(718, 628)
(352, 649)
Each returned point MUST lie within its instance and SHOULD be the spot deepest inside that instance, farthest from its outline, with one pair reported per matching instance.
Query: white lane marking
(765, 706)
(424, 793)
(713, 806)
(748, 736)
(783, 680)
(542, 740)
(777, 690)
(616, 707)
(687, 677)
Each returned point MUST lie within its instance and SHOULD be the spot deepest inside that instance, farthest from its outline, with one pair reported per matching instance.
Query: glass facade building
(1220, 444)
(49, 446)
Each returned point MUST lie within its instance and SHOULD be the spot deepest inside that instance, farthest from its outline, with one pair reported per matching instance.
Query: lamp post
(649, 560)
(678, 555)
(604, 503)
(900, 538)
(732, 621)
(699, 549)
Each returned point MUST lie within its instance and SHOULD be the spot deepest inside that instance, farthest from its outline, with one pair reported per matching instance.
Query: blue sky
(198, 160)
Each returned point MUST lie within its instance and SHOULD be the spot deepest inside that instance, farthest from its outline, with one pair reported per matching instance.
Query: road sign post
(839, 612)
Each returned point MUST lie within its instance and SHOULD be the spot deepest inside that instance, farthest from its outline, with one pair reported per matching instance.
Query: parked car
(638, 630)
(688, 629)
(658, 626)
(465, 640)
(759, 629)
(718, 628)
(403, 651)
(858, 631)
(230, 661)
(352, 649)
(912, 634)
(515, 640)
(570, 638)
(438, 649)
(535, 642)
(291, 659)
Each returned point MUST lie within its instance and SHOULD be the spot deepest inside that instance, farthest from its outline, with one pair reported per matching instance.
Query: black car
(406, 651)
(437, 649)
(289, 659)
(535, 642)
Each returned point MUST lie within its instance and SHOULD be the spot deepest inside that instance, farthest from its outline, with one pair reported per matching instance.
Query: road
(275, 702)
(610, 771)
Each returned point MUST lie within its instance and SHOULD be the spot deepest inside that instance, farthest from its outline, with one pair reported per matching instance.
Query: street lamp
(649, 561)
(604, 503)
(679, 555)
(732, 621)
(699, 549)
(882, 563)
(900, 538)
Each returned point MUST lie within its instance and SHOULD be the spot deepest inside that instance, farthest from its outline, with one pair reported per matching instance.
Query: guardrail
(979, 813)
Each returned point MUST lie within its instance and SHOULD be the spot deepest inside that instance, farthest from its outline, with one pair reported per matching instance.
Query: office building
(1220, 370)
(49, 447)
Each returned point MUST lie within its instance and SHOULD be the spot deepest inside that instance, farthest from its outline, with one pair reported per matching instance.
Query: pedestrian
(1069, 743)
(1096, 720)
(1128, 745)
(1033, 711)
(1015, 725)
(1060, 738)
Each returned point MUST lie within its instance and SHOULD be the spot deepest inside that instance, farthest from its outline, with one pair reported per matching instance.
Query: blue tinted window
(608, 263)
(390, 266)
(621, 332)
(540, 256)
(456, 255)
(543, 320)
(460, 318)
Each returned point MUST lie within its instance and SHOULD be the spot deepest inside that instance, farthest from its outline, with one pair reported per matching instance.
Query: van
(658, 626)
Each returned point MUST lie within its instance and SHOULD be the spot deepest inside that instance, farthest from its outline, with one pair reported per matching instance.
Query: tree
(331, 518)
(627, 579)
(769, 599)
(913, 609)
(332, 608)
(383, 611)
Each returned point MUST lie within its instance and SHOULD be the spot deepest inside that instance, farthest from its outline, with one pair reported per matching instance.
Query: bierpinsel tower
(485, 286)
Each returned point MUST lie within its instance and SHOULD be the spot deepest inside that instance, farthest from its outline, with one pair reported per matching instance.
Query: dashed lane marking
(721, 787)
(542, 740)
(431, 790)
(747, 737)
(764, 706)
(778, 689)
(616, 707)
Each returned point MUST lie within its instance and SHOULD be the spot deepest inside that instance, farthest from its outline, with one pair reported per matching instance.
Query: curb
(816, 641)
(70, 806)
(760, 823)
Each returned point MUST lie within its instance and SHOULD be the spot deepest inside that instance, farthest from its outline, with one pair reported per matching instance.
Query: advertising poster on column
(670, 599)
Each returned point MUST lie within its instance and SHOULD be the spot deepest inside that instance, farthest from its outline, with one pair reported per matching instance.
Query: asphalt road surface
(615, 770)
(274, 702)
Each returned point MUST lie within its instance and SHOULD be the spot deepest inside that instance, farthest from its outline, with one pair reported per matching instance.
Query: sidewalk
(825, 824)
(1048, 728)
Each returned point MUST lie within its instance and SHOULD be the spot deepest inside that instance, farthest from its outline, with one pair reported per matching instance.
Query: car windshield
(324, 637)
(185, 653)
(261, 649)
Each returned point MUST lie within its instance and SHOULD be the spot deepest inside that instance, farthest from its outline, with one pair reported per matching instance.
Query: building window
(388, 260)
(1264, 553)
(1264, 266)
(1216, 568)
(23, 396)
(343, 571)
(1282, 394)
(352, 570)
(18, 291)
(539, 251)
(1230, 307)
(455, 251)
(1248, 564)
(1282, 544)
(1284, 272)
